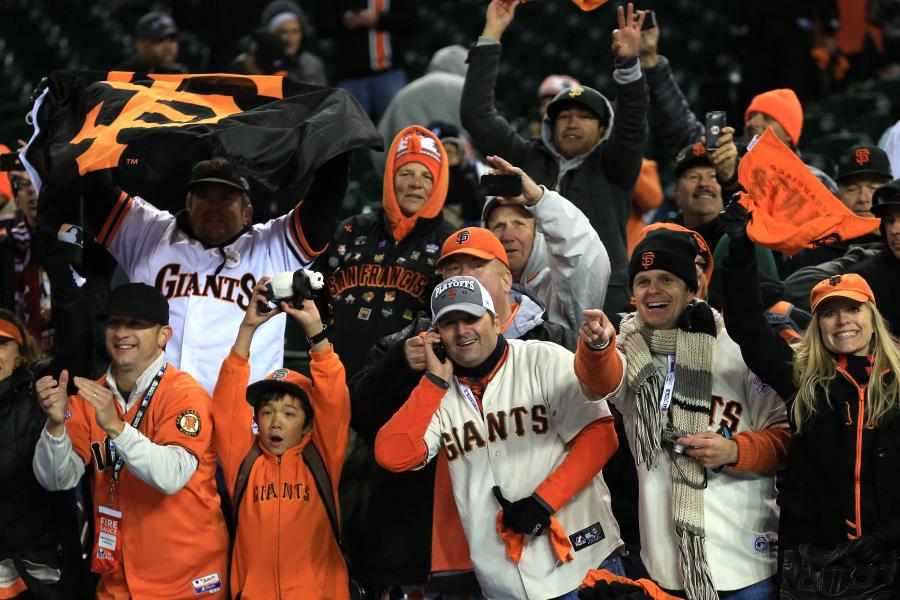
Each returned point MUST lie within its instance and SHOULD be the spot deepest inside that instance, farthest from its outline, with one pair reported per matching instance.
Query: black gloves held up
(523, 516)
(697, 317)
(734, 219)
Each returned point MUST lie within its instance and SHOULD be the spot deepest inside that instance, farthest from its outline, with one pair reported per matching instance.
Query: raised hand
(597, 330)
(499, 15)
(626, 40)
(54, 401)
(649, 47)
(307, 316)
(531, 192)
(443, 369)
(253, 317)
(724, 158)
(104, 403)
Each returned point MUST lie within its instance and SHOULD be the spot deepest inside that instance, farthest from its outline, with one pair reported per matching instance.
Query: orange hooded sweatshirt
(284, 547)
(409, 146)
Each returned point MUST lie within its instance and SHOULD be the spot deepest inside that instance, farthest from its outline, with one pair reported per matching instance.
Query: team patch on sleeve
(188, 423)
(587, 537)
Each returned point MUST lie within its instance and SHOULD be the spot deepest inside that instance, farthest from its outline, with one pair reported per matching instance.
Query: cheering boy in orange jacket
(285, 546)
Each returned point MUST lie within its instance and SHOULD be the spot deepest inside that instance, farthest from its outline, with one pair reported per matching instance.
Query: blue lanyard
(138, 417)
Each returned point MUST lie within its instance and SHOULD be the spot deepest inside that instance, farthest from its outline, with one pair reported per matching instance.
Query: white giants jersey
(532, 407)
(208, 289)
(740, 514)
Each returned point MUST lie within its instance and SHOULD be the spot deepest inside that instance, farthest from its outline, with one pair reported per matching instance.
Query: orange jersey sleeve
(400, 444)
(232, 415)
(600, 371)
(330, 400)
(588, 452)
(762, 451)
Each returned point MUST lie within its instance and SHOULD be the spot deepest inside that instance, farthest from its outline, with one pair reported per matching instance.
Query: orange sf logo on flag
(647, 259)
(162, 100)
(862, 156)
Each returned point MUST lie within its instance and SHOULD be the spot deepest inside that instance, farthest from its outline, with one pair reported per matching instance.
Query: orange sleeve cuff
(599, 370)
(762, 451)
(400, 444)
(588, 452)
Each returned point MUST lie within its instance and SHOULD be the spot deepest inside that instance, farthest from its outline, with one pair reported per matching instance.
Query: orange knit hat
(783, 106)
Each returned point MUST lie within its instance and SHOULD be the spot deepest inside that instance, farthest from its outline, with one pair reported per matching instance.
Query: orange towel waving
(515, 542)
(791, 209)
(586, 5)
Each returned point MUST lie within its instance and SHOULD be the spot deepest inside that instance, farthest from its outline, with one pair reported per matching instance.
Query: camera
(670, 437)
(292, 286)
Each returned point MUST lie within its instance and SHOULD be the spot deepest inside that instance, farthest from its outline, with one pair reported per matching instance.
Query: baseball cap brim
(256, 390)
(217, 180)
(849, 294)
(878, 172)
(471, 252)
(476, 310)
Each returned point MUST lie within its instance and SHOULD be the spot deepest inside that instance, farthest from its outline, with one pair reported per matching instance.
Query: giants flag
(147, 131)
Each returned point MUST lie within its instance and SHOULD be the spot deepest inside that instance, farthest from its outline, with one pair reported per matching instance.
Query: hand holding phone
(436, 357)
(715, 122)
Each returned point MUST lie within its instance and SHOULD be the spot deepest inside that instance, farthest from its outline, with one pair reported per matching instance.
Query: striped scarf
(688, 413)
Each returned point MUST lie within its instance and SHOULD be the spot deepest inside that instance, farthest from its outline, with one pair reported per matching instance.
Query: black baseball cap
(863, 159)
(218, 170)
(886, 197)
(584, 96)
(155, 26)
(138, 301)
(691, 156)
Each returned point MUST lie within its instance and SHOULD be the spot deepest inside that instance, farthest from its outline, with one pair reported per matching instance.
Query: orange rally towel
(585, 5)
(515, 542)
(791, 209)
(649, 588)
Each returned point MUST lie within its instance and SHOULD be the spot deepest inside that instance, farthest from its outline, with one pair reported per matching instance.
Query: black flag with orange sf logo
(148, 130)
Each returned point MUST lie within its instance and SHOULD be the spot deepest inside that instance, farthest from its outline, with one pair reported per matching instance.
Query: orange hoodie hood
(409, 146)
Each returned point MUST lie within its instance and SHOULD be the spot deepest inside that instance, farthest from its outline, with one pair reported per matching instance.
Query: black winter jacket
(377, 286)
(672, 124)
(601, 187)
(398, 540)
(820, 488)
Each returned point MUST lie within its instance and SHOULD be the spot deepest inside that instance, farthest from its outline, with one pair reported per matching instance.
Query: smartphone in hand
(715, 122)
(506, 184)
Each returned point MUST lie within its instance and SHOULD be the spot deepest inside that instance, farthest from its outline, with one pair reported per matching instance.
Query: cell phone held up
(715, 122)
(505, 184)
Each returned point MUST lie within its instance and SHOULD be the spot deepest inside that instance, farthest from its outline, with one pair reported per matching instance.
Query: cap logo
(834, 279)
(462, 237)
(575, 91)
(279, 374)
(647, 259)
(453, 283)
(452, 293)
(862, 156)
(698, 149)
(214, 166)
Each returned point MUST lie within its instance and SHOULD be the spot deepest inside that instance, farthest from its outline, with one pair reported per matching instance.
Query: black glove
(523, 516)
(733, 220)
(871, 548)
(697, 317)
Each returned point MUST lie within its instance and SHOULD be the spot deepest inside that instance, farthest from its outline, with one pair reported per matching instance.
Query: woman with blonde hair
(840, 498)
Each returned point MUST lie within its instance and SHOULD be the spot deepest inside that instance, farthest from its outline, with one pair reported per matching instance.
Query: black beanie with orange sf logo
(672, 251)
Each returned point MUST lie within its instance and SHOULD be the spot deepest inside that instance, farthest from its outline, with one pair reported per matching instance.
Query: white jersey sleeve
(56, 465)
(284, 240)
(133, 230)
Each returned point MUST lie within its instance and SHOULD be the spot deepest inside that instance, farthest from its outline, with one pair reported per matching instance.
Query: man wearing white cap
(521, 435)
